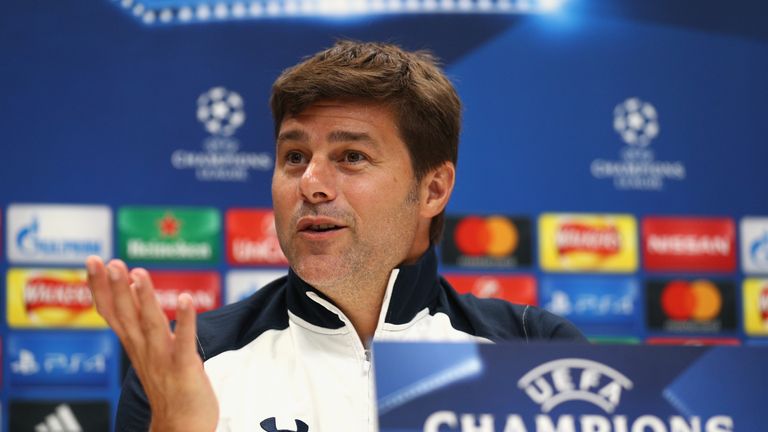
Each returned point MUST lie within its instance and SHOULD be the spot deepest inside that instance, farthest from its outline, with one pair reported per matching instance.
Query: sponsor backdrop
(611, 166)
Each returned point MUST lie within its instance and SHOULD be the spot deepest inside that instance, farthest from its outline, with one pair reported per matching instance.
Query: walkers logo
(518, 289)
(567, 383)
(69, 416)
(60, 359)
(50, 298)
(243, 283)
(488, 242)
(754, 244)
(637, 123)
(588, 242)
(221, 112)
(755, 303)
(597, 305)
(689, 244)
(698, 306)
(61, 234)
(158, 234)
(204, 287)
(251, 238)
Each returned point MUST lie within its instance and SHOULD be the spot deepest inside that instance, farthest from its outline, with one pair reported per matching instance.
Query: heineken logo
(160, 234)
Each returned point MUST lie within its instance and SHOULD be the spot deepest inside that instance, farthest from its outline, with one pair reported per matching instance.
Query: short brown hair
(425, 104)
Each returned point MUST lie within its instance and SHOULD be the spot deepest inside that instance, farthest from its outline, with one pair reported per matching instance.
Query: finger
(101, 291)
(185, 344)
(125, 307)
(154, 323)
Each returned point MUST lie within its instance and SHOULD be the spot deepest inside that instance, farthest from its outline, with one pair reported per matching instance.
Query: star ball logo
(494, 241)
(562, 382)
(691, 306)
(221, 112)
(637, 123)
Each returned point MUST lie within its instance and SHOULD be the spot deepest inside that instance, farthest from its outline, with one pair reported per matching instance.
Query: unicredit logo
(699, 300)
(578, 237)
(559, 381)
(494, 236)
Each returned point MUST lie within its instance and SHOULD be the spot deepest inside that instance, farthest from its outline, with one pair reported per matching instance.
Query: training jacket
(287, 358)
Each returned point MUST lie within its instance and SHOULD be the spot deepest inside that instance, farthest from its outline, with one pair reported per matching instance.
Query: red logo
(169, 225)
(692, 341)
(580, 237)
(494, 236)
(520, 289)
(252, 239)
(204, 287)
(689, 244)
(43, 292)
(699, 300)
(763, 301)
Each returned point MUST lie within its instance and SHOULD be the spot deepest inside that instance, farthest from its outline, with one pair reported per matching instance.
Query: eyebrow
(334, 137)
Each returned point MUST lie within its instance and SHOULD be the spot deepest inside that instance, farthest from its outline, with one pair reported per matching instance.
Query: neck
(361, 303)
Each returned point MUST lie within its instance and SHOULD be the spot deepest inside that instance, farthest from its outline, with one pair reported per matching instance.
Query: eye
(354, 157)
(294, 157)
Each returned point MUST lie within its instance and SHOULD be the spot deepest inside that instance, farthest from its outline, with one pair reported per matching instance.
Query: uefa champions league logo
(636, 121)
(220, 111)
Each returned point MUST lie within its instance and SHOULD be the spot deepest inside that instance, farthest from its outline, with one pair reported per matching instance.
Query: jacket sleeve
(541, 324)
(133, 412)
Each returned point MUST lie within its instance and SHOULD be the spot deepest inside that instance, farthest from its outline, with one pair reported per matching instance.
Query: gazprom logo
(758, 250)
(29, 242)
(574, 379)
(52, 233)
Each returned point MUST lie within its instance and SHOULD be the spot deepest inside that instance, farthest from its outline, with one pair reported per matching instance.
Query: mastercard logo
(699, 300)
(494, 236)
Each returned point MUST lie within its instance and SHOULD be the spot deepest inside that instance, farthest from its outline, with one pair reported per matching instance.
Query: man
(367, 140)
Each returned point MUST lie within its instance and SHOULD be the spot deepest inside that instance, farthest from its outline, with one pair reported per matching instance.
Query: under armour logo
(270, 425)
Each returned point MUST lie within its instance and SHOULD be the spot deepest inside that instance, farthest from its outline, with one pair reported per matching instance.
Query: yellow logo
(755, 306)
(588, 242)
(50, 298)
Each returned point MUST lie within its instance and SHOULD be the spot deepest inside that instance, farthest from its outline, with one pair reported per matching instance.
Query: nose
(318, 182)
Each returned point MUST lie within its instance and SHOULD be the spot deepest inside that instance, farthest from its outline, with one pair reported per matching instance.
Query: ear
(436, 189)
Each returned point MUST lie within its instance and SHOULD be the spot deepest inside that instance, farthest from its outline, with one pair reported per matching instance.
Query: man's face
(344, 194)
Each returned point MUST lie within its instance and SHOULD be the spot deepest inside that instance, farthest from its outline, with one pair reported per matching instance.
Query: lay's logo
(588, 242)
(50, 298)
(581, 237)
(45, 292)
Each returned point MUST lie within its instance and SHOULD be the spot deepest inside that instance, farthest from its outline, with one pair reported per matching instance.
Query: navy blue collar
(417, 287)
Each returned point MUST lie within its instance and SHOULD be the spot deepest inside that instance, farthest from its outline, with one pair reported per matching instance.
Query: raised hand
(167, 362)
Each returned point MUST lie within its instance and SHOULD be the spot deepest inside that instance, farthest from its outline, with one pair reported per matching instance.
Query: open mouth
(322, 228)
